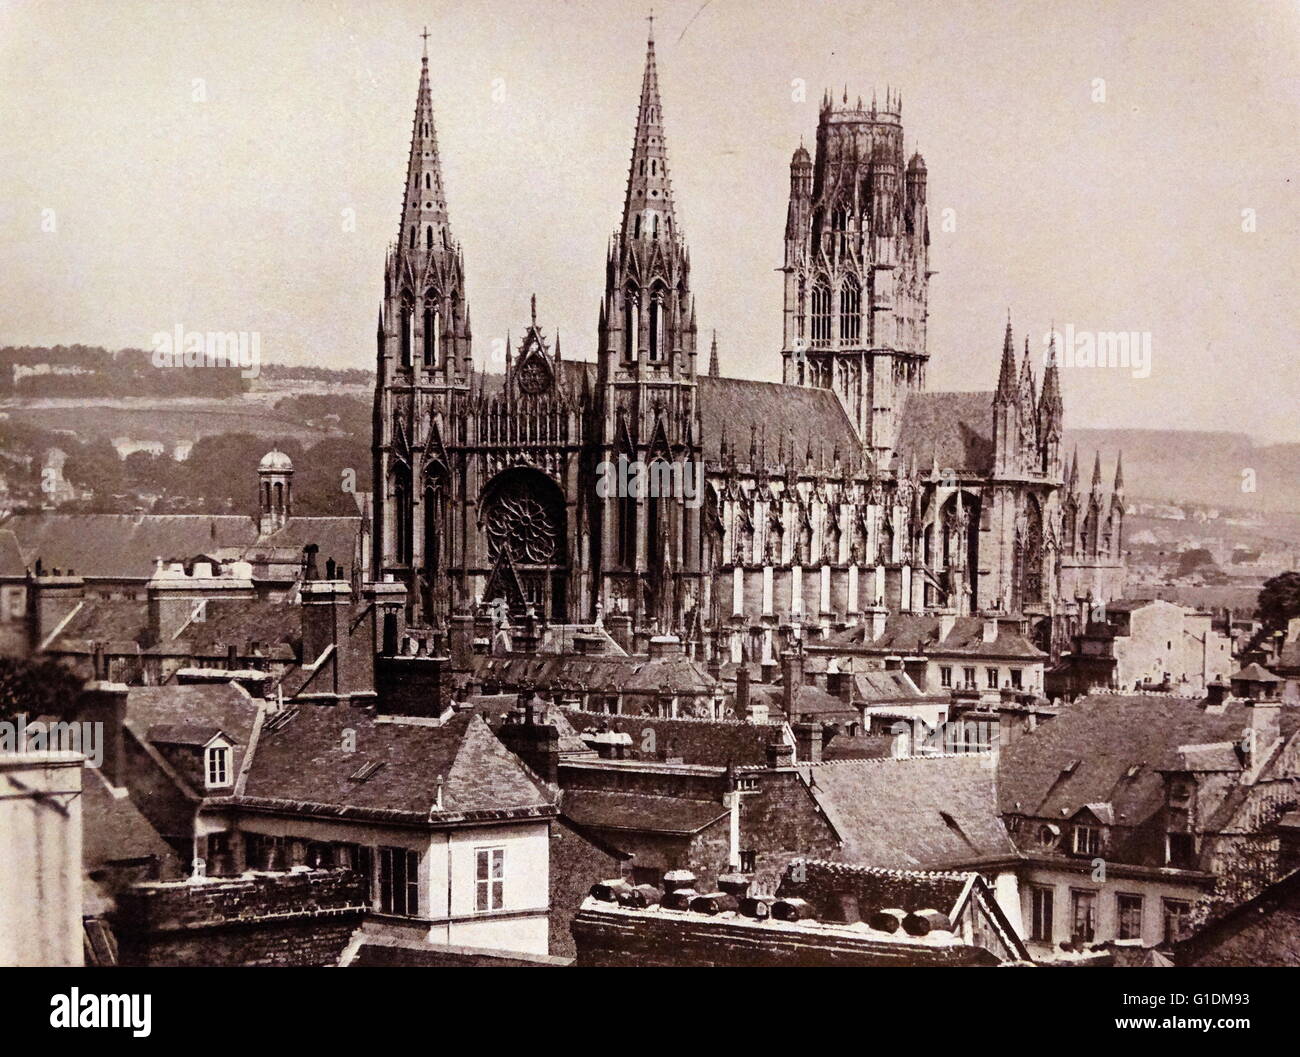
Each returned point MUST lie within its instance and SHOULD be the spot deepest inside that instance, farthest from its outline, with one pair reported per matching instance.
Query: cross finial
(425, 35)
(651, 19)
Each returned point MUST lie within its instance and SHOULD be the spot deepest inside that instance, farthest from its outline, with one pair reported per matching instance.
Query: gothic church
(845, 489)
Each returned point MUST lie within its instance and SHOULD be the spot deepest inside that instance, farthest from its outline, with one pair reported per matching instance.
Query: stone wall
(302, 918)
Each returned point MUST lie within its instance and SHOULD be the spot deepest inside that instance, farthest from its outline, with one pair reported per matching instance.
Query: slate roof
(954, 429)
(859, 747)
(640, 812)
(1255, 673)
(919, 811)
(126, 546)
(731, 406)
(703, 742)
(905, 633)
(1105, 736)
(113, 830)
(12, 562)
(808, 700)
(275, 626)
(212, 706)
(674, 674)
(303, 763)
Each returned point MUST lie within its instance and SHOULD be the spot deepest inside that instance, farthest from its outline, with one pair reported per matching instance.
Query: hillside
(1192, 466)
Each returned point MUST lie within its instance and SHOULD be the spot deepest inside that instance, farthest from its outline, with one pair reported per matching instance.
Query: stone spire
(1007, 377)
(649, 190)
(713, 357)
(1051, 409)
(1119, 474)
(1096, 475)
(424, 207)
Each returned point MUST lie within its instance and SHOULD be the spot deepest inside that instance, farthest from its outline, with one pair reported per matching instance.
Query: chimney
(768, 668)
(714, 668)
(916, 668)
(779, 754)
(105, 703)
(620, 630)
(232, 657)
(534, 741)
(1265, 726)
(588, 645)
(1215, 693)
(877, 617)
(742, 689)
(990, 629)
(462, 641)
(893, 663)
(791, 678)
(664, 646)
(947, 621)
(50, 600)
(808, 736)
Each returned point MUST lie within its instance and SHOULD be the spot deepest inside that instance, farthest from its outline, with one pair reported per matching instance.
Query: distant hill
(1194, 466)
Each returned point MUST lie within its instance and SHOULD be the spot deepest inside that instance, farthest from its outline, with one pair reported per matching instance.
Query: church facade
(646, 488)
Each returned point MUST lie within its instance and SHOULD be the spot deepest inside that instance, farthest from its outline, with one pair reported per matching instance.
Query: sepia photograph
(576, 484)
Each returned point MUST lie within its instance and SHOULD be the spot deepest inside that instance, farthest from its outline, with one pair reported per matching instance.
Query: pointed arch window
(631, 322)
(821, 312)
(431, 328)
(427, 179)
(428, 237)
(636, 233)
(840, 227)
(408, 332)
(656, 325)
(654, 226)
(850, 311)
(412, 236)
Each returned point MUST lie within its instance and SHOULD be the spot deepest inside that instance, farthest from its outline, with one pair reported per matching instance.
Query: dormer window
(216, 765)
(1087, 839)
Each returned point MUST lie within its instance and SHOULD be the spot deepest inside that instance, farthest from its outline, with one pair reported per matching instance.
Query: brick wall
(304, 918)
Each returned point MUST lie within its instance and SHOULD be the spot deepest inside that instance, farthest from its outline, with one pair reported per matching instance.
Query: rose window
(517, 521)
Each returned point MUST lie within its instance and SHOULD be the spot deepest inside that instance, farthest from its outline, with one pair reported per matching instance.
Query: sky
(239, 166)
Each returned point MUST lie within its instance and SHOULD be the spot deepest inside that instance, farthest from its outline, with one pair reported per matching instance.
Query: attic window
(1132, 772)
(216, 766)
(366, 771)
(1087, 840)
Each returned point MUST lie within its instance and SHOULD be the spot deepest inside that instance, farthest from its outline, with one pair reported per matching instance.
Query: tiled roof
(921, 811)
(215, 706)
(705, 742)
(953, 429)
(674, 674)
(12, 562)
(909, 632)
(126, 546)
(731, 406)
(1107, 748)
(113, 829)
(640, 812)
(117, 620)
(859, 747)
(874, 888)
(808, 700)
(305, 762)
(1255, 673)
